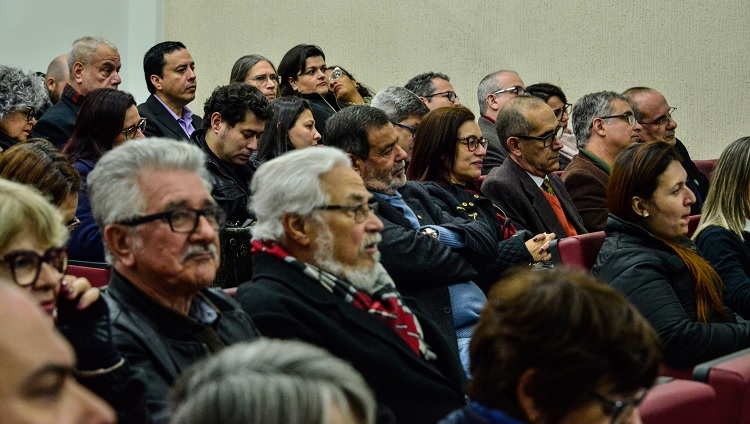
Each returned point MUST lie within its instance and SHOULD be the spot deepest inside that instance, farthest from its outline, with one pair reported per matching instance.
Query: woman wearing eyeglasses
(555, 98)
(647, 257)
(257, 71)
(33, 257)
(292, 127)
(21, 94)
(107, 119)
(346, 88)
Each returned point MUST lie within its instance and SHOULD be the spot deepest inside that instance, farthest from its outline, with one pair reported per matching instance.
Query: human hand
(538, 246)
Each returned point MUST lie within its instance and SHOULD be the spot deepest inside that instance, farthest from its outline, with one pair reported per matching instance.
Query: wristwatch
(430, 232)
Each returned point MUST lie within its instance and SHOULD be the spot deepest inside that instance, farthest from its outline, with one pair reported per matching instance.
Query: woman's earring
(645, 214)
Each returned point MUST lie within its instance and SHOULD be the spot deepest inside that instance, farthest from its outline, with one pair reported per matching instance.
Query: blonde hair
(24, 211)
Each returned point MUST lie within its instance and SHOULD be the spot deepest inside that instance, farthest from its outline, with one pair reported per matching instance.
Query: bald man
(57, 77)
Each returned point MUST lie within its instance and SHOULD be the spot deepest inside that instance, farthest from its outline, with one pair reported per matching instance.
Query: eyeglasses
(452, 97)
(626, 116)
(411, 129)
(547, 139)
(30, 113)
(361, 210)
(563, 110)
(336, 73)
(517, 89)
(663, 120)
(184, 220)
(621, 409)
(25, 265)
(132, 131)
(73, 224)
(263, 80)
(473, 142)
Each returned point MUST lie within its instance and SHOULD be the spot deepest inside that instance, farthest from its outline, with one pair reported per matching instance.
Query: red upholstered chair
(680, 401)
(558, 173)
(729, 376)
(478, 182)
(706, 166)
(231, 291)
(577, 251)
(693, 224)
(97, 273)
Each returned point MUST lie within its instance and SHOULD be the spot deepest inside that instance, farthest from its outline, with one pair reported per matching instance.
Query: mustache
(373, 238)
(398, 168)
(198, 248)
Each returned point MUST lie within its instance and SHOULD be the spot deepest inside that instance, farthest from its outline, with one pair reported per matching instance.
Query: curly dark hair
(234, 101)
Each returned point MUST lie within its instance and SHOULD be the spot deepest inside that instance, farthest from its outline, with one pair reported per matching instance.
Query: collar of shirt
(598, 162)
(187, 114)
(537, 179)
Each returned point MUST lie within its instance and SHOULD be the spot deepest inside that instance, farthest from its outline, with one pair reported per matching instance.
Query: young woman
(292, 127)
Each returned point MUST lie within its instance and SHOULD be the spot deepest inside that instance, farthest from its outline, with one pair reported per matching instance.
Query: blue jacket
(85, 242)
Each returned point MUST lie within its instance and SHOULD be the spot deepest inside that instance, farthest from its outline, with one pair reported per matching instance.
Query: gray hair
(19, 90)
(244, 64)
(489, 84)
(631, 94)
(114, 185)
(291, 183)
(84, 50)
(422, 84)
(272, 382)
(512, 121)
(399, 103)
(589, 107)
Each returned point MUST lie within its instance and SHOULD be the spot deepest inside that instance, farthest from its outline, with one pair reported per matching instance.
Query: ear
(216, 122)
(78, 72)
(491, 101)
(119, 240)
(156, 81)
(357, 164)
(293, 83)
(514, 146)
(639, 206)
(597, 126)
(51, 83)
(525, 401)
(424, 100)
(296, 229)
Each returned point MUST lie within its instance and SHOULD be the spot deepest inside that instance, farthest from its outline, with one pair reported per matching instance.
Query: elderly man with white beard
(317, 278)
(152, 200)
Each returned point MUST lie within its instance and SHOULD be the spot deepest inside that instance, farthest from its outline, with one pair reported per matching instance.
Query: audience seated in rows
(170, 78)
(151, 200)
(525, 186)
(722, 234)
(21, 95)
(494, 91)
(556, 99)
(434, 89)
(346, 89)
(291, 127)
(257, 71)
(93, 63)
(107, 119)
(604, 124)
(558, 347)
(273, 382)
(647, 257)
(405, 111)
(317, 278)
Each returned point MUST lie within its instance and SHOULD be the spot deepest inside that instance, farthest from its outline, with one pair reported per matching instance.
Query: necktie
(547, 187)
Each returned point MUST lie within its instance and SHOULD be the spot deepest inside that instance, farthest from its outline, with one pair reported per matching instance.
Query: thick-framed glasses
(622, 409)
(473, 142)
(262, 80)
(626, 116)
(361, 210)
(73, 224)
(517, 89)
(131, 131)
(412, 130)
(565, 110)
(546, 139)
(452, 97)
(25, 265)
(336, 73)
(184, 220)
(30, 114)
(663, 120)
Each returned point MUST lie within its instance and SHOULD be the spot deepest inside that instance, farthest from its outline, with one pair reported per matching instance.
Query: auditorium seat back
(577, 251)
(729, 376)
(680, 401)
(706, 166)
(96, 272)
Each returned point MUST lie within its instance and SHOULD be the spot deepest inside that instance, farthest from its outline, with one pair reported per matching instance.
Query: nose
(457, 102)
(49, 278)
(637, 126)
(480, 151)
(671, 123)
(89, 408)
(690, 198)
(373, 223)
(400, 153)
(271, 83)
(139, 134)
(316, 134)
(204, 231)
(191, 74)
(116, 79)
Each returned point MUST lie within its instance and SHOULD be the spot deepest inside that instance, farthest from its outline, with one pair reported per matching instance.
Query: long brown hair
(636, 172)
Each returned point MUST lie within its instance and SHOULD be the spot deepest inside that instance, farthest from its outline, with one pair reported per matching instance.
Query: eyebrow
(57, 370)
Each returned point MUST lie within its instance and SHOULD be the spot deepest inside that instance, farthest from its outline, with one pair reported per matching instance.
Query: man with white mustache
(160, 227)
(317, 278)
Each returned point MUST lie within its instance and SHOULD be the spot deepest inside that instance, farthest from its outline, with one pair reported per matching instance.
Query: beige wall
(696, 53)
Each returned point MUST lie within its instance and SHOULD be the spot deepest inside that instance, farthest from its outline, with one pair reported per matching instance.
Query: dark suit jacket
(696, 181)
(586, 183)
(496, 153)
(513, 190)
(57, 123)
(161, 123)
(424, 267)
(284, 303)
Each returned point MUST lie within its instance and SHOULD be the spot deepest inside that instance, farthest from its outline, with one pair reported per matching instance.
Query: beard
(385, 182)
(363, 278)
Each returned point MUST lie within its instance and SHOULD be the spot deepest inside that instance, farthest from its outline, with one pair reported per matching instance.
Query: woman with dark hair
(723, 234)
(107, 119)
(303, 73)
(647, 257)
(555, 98)
(346, 88)
(38, 163)
(558, 347)
(292, 127)
(257, 71)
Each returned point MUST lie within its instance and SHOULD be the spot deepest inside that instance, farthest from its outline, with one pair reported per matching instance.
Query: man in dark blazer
(317, 278)
(170, 77)
(525, 186)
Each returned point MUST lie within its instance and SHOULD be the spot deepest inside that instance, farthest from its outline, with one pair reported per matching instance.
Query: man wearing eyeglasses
(160, 225)
(604, 124)
(655, 116)
(434, 89)
(405, 111)
(525, 186)
(494, 91)
(317, 277)
(170, 78)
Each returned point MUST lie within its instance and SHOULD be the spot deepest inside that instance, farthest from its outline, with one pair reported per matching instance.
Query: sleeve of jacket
(512, 201)
(85, 242)
(124, 390)
(726, 254)
(589, 197)
(685, 342)
(152, 129)
(52, 131)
